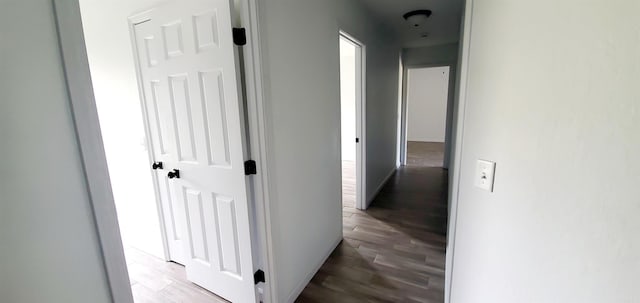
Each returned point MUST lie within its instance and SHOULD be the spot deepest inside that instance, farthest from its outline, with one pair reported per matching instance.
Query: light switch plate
(485, 171)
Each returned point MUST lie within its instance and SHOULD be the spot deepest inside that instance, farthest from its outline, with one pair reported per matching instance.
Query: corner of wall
(307, 279)
(372, 196)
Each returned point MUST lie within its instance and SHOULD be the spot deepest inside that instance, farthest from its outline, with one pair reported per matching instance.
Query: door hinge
(357, 140)
(239, 36)
(250, 167)
(258, 276)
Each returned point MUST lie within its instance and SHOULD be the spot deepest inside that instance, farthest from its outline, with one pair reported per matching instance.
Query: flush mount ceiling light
(417, 17)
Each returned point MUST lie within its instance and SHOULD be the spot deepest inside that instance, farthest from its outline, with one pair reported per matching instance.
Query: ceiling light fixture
(417, 17)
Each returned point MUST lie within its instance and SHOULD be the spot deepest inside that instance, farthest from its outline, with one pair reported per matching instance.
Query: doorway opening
(426, 123)
(352, 121)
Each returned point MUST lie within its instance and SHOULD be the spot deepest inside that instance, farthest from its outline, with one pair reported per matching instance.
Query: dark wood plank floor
(425, 154)
(394, 251)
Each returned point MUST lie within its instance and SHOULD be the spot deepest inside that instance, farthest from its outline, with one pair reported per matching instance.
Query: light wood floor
(394, 251)
(155, 281)
(349, 184)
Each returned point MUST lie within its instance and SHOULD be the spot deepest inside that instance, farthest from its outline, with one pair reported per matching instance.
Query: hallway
(395, 251)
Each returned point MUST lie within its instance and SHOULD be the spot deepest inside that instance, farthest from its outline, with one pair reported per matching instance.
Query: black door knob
(174, 174)
(156, 165)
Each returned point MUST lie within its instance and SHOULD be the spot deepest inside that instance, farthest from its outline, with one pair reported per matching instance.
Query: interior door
(189, 74)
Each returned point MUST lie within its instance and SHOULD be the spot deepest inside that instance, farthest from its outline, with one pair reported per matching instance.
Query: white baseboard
(298, 290)
(380, 186)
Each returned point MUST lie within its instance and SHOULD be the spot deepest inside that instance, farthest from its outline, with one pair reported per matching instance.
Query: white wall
(50, 248)
(427, 91)
(431, 55)
(300, 44)
(304, 146)
(348, 99)
(553, 98)
(115, 85)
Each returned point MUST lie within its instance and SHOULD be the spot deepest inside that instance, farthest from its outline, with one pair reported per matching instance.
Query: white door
(189, 74)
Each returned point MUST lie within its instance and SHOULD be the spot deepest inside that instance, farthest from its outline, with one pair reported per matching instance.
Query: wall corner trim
(381, 185)
(89, 137)
(303, 283)
(457, 139)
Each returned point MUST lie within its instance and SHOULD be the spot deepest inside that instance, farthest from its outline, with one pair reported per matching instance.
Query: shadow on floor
(413, 197)
(394, 251)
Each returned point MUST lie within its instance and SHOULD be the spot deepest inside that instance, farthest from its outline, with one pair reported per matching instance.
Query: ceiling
(442, 27)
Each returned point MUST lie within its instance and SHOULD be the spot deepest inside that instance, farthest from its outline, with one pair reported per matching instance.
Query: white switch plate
(485, 171)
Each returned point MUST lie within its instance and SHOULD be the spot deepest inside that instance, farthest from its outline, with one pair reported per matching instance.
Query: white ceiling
(442, 27)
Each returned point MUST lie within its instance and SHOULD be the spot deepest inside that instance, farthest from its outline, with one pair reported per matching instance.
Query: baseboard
(380, 186)
(298, 290)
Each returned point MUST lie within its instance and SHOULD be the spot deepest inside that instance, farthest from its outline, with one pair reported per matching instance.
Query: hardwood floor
(425, 154)
(349, 184)
(394, 251)
(155, 281)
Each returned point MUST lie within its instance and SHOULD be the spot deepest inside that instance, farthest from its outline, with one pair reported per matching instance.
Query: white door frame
(87, 127)
(361, 119)
(459, 110)
(449, 114)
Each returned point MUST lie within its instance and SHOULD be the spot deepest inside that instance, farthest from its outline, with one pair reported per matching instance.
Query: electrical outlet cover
(485, 172)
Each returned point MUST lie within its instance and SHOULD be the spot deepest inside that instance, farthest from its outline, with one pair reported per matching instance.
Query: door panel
(172, 39)
(198, 246)
(206, 30)
(194, 85)
(182, 118)
(215, 117)
(160, 129)
(158, 116)
(173, 209)
(228, 236)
